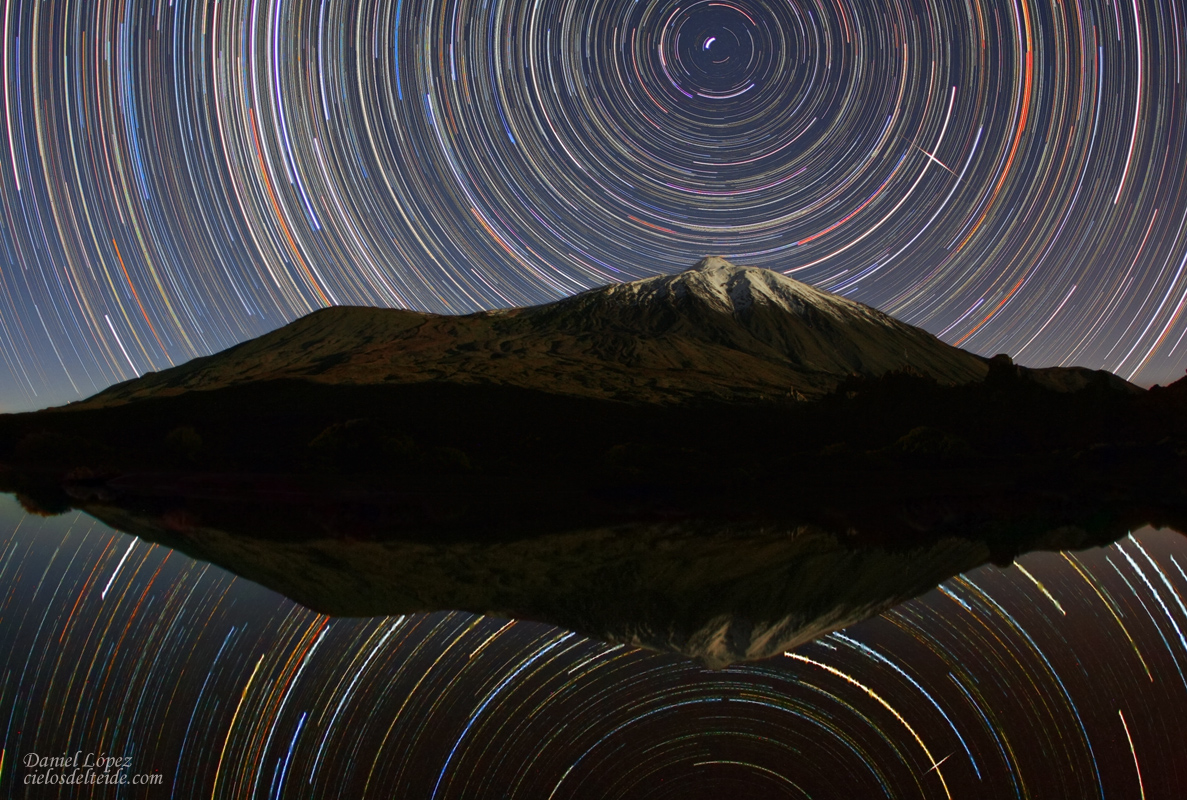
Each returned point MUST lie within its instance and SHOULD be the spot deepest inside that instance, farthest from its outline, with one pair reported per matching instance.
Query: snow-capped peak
(714, 331)
(736, 289)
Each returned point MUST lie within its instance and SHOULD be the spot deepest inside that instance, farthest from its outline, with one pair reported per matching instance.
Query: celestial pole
(179, 176)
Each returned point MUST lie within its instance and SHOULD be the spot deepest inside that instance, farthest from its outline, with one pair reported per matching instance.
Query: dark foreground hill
(723, 463)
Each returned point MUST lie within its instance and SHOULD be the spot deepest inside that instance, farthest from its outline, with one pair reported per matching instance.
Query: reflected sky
(1061, 677)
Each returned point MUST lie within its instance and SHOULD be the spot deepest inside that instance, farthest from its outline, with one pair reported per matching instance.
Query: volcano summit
(715, 332)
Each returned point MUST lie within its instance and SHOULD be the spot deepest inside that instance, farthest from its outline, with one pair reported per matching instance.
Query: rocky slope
(716, 331)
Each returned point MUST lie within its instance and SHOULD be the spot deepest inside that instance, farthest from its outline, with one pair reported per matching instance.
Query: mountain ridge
(715, 332)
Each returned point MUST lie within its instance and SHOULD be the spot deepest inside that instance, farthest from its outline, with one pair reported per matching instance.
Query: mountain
(716, 332)
(722, 463)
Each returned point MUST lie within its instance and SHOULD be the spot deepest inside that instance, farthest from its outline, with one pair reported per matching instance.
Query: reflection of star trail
(179, 176)
(1137, 767)
(884, 704)
(981, 689)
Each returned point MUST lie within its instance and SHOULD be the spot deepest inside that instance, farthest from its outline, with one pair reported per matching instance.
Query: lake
(1060, 676)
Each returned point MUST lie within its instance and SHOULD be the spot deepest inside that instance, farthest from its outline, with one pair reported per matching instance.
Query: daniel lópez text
(84, 769)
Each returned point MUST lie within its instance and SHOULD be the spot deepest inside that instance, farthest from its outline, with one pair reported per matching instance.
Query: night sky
(179, 176)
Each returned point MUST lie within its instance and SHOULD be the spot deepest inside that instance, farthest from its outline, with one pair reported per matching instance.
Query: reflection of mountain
(720, 462)
(715, 590)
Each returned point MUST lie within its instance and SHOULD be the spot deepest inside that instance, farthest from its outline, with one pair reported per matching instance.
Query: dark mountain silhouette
(722, 463)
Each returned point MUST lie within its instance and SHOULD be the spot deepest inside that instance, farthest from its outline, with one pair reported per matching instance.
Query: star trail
(179, 176)
(1063, 681)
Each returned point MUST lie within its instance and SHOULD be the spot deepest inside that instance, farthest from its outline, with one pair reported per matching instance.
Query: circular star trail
(1062, 676)
(179, 176)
